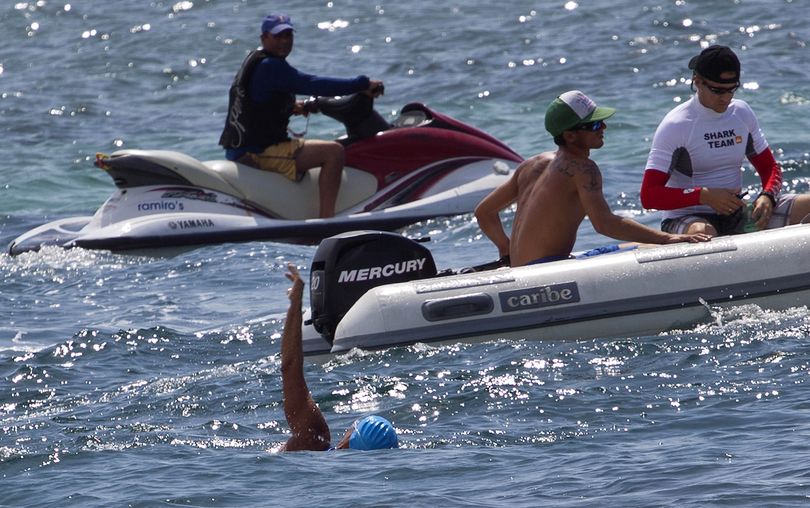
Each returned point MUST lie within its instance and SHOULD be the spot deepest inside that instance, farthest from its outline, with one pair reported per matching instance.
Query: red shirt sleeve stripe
(656, 195)
(769, 171)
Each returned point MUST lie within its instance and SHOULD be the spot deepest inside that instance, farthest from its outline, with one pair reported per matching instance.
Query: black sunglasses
(721, 90)
(589, 126)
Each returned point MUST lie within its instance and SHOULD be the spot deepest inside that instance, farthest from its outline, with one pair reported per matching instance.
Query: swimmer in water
(308, 426)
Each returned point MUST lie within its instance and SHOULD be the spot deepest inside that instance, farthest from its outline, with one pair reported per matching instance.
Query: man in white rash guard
(694, 170)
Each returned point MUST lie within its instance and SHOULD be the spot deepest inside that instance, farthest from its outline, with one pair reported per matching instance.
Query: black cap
(714, 61)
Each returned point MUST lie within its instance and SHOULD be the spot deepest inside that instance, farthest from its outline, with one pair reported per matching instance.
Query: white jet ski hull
(170, 216)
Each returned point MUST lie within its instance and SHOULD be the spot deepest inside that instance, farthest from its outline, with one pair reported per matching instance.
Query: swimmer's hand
(296, 291)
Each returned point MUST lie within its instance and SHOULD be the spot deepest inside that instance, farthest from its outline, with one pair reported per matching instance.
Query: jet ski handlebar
(356, 112)
(336, 107)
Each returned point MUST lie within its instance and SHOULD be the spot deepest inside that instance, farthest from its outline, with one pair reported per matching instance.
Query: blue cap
(276, 23)
(373, 433)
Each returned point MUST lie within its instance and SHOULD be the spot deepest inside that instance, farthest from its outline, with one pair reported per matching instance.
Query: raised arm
(308, 426)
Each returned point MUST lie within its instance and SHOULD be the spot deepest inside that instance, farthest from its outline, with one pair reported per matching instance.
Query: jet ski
(375, 290)
(422, 165)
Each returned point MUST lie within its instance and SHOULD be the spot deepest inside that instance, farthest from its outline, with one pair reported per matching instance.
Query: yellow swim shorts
(279, 158)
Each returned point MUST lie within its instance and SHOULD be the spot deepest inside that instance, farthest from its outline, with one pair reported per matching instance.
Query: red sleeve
(769, 171)
(655, 194)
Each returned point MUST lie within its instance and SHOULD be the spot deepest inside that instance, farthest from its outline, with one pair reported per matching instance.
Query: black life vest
(255, 124)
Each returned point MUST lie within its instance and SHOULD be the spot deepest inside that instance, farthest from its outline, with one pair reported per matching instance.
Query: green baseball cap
(572, 108)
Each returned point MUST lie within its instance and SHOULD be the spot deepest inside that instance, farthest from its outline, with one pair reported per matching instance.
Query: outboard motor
(347, 265)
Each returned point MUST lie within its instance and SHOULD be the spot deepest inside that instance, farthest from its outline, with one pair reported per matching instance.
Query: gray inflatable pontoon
(631, 293)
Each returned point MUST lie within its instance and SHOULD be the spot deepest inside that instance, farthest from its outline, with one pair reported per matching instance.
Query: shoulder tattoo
(594, 178)
(568, 168)
(587, 168)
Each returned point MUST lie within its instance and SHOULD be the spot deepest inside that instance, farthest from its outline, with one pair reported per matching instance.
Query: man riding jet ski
(261, 101)
(272, 187)
(422, 165)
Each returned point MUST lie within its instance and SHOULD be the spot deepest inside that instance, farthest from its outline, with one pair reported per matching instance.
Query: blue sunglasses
(589, 126)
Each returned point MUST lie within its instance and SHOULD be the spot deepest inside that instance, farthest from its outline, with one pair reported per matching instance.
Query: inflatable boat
(376, 290)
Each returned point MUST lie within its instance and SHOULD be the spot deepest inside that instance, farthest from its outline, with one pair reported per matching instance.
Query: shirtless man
(515, 189)
(555, 191)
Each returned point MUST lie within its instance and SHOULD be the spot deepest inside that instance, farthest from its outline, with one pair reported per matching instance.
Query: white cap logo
(580, 103)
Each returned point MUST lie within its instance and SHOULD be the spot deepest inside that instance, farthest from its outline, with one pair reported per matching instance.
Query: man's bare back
(516, 189)
(528, 173)
(549, 212)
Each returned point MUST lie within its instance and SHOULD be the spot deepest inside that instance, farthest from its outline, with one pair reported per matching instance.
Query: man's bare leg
(329, 156)
(701, 226)
(800, 211)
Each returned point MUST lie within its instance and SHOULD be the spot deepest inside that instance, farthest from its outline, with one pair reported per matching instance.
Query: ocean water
(154, 381)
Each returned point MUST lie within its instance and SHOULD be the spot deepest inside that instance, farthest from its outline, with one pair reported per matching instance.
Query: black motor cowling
(345, 266)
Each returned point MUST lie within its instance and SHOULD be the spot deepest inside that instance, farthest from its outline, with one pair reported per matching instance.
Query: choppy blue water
(143, 381)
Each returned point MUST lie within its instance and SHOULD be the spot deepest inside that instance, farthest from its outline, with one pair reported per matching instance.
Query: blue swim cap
(373, 433)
